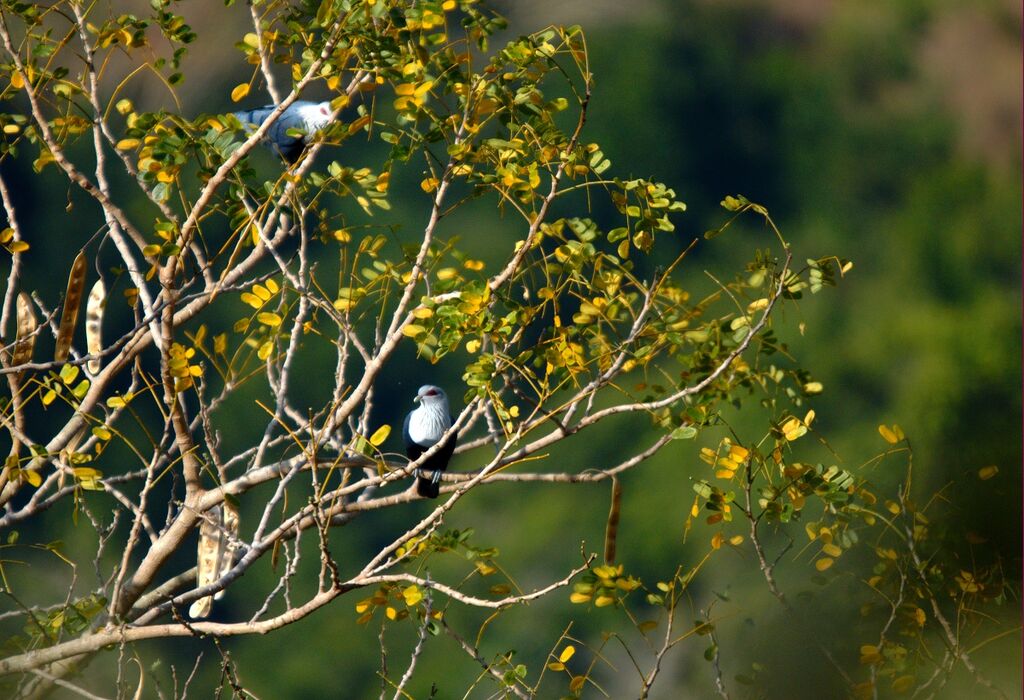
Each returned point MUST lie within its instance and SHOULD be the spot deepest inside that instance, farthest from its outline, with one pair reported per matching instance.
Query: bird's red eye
(432, 392)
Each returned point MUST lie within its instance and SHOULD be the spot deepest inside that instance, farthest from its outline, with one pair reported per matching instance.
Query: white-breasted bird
(424, 427)
(302, 115)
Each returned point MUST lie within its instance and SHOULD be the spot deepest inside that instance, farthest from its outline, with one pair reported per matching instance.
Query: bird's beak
(416, 400)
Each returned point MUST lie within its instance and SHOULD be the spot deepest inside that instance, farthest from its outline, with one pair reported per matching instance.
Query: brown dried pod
(69, 316)
(26, 335)
(215, 555)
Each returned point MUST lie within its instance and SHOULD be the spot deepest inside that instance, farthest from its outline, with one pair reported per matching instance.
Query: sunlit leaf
(412, 594)
(268, 318)
(986, 473)
(887, 434)
(239, 92)
(380, 435)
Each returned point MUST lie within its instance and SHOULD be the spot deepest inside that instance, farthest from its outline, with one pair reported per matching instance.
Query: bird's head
(315, 116)
(430, 395)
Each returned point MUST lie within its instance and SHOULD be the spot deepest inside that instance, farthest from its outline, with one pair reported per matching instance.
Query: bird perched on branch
(424, 428)
(301, 115)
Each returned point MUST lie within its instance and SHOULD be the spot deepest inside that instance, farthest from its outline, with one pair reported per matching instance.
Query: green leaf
(685, 432)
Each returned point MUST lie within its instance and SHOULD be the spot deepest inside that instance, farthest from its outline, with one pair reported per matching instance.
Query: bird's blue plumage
(302, 115)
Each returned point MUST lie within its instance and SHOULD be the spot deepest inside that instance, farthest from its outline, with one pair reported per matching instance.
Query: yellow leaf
(17, 82)
(757, 305)
(380, 435)
(447, 273)
(268, 318)
(716, 540)
(813, 388)
(127, 144)
(832, 550)
(261, 291)
(919, 616)
(32, 476)
(824, 563)
(272, 286)
(422, 312)
(265, 350)
(412, 330)
(251, 40)
(579, 598)
(422, 89)
(903, 683)
(556, 666)
(567, 653)
(252, 300)
(887, 434)
(240, 91)
(577, 683)
(736, 540)
(412, 594)
(869, 654)
(793, 429)
(429, 184)
(391, 613)
(18, 246)
(604, 601)
(738, 453)
(986, 473)
(472, 346)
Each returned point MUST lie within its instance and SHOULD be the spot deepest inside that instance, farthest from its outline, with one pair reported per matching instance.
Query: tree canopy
(254, 330)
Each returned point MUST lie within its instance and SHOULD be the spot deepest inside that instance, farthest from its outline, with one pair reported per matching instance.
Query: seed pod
(94, 324)
(69, 316)
(27, 325)
(215, 555)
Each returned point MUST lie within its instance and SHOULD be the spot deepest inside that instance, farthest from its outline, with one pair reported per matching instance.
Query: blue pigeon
(305, 116)
(424, 427)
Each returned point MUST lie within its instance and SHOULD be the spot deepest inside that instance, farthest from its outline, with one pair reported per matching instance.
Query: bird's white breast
(426, 425)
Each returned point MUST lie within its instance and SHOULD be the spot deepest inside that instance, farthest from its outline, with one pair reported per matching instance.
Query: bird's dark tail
(426, 488)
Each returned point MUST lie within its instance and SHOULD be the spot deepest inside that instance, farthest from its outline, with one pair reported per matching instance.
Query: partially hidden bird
(302, 115)
(424, 427)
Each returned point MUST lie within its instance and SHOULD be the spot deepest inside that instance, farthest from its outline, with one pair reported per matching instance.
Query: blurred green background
(888, 133)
